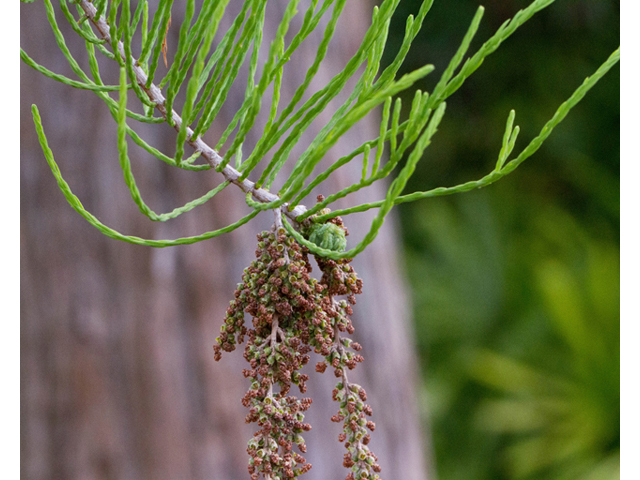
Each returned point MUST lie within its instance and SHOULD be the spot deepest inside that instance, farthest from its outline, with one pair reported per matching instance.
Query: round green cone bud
(329, 236)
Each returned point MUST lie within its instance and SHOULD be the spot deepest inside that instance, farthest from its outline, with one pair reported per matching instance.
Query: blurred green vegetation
(516, 286)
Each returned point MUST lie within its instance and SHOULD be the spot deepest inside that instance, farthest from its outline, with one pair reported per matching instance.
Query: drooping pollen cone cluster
(292, 314)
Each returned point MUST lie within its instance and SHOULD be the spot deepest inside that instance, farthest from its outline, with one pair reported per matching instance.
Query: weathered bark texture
(118, 376)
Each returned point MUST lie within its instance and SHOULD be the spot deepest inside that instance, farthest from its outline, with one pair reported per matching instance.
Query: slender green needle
(62, 79)
(251, 33)
(125, 164)
(393, 141)
(123, 155)
(375, 54)
(404, 174)
(253, 97)
(62, 44)
(562, 112)
(304, 165)
(199, 39)
(93, 61)
(383, 133)
(509, 167)
(86, 27)
(260, 205)
(239, 157)
(114, 31)
(137, 16)
(150, 41)
(78, 207)
(328, 138)
(101, 6)
(87, 35)
(173, 84)
(157, 46)
(145, 28)
(218, 60)
(490, 46)
(365, 162)
(192, 88)
(320, 99)
(460, 53)
(127, 36)
(411, 31)
(506, 140)
(339, 163)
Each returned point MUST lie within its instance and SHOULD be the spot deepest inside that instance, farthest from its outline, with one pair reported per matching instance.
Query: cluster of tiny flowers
(359, 458)
(279, 294)
(341, 279)
(279, 416)
(292, 314)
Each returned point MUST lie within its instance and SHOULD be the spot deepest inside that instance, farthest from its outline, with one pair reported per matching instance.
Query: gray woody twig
(155, 95)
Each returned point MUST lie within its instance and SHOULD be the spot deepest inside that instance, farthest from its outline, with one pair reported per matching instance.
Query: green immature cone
(329, 236)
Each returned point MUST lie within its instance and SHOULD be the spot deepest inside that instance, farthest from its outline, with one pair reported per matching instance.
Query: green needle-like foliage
(205, 69)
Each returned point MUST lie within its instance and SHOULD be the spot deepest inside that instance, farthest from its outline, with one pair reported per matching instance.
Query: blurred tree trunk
(118, 376)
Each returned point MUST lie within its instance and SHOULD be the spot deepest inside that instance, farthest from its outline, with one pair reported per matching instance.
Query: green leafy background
(516, 286)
